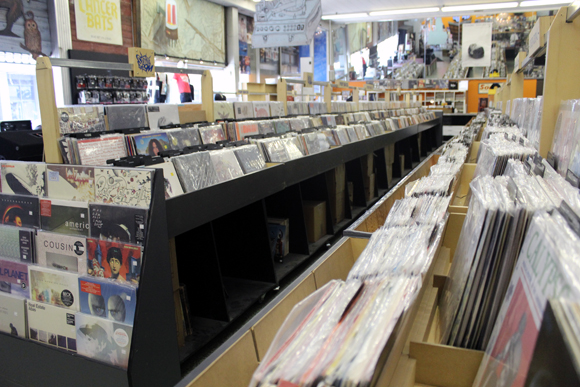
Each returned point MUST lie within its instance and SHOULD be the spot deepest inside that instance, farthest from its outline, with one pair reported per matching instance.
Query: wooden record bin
(213, 247)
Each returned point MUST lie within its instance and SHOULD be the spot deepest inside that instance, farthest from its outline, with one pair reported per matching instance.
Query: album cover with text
(62, 252)
(52, 325)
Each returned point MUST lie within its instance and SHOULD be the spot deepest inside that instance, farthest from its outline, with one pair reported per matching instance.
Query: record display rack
(214, 243)
(153, 359)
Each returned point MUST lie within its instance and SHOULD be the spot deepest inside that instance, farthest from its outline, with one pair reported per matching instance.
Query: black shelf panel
(288, 264)
(242, 293)
(314, 247)
(204, 330)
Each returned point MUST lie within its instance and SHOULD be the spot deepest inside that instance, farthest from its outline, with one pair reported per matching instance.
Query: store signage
(342, 84)
(99, 21)
(143, 61)
(369, 87)
(484, 88)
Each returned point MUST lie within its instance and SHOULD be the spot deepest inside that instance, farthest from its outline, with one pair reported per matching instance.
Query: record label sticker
(70, 319)
(53, 176)
(121, 337)
(67, 297)
(91, 288)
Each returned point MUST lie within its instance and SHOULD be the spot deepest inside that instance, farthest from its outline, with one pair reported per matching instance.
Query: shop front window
(20, 102)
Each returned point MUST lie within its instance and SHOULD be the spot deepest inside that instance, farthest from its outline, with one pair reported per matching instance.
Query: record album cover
(223, 110)
(103, 340)
(182, 138)
(195, 171)
(243, 110)
(150, 144)
(13, 315)
(113, 260)
(247, 128)
(277, 109)
(261, 109)
(107, 299)
(56, 287)
(162, 114)
(124, 186)
(171, 181)
(14, 278)
(81, 119)
(211, 134)
(63, 252)
(282, 126)
(250, 158)
(118, 223)
(226, 165)
(126, 116)
(70, 182)
(96, 151)
(17, 244)
(64, 217)
(19, 210)
(52, 325)
(23, 178)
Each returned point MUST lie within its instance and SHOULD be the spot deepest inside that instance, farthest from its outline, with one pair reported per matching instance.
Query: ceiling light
(345, 16)
(479, 7)
(405, 11)
(542, 2)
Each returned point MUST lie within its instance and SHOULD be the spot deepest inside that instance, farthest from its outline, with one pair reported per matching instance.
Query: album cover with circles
(19, 210)
(55, 287)
(116, 261)
(118, 223)
(52, 325)
(14, 278)
(23, 178)
(62, 252)
(103, 340)
(13, 315)
(71, 182)
(114, 301)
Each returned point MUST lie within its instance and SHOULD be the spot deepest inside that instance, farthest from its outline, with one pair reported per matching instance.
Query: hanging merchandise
(285, 23)
(476, 45)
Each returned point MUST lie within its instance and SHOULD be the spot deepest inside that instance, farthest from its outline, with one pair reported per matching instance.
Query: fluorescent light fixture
(479, 7)
(345, 16)
(540, 3)
(405, 11)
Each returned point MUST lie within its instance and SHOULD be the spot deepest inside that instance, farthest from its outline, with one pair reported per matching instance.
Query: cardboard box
(367, 164)
(315, 218)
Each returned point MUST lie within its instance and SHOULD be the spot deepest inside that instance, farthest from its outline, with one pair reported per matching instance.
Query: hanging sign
(143, 61)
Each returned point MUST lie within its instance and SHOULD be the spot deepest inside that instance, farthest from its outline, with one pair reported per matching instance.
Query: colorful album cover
(23, 178)
(243, 110)
(107, 299)
(277, 109)
(113, 260)
(223, 110)
(247, 128)
(118, 223)
(13, 315)
(64, 217)
(71, 182)
(183, 138)
(55, 287)
(151, 143)
(14, 278)
(81, 119)
(211, 134)
(124, 186)
(19, 210)
(261, 109)
(171, 181)
(162, 114)
(52, 325)
(226, 165)
(17, 244)
(103, 340)
(62, 252)
(126, 116)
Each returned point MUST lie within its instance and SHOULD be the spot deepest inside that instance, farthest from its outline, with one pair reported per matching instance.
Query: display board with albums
(71, 255)
(244, 138)
(518, 248)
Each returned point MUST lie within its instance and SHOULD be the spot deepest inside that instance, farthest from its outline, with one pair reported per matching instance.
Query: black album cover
(118, 223)
(64, 217)
(19, 210)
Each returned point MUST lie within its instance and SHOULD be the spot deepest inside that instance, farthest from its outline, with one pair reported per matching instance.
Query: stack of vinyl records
(566, 144)
(497, 150)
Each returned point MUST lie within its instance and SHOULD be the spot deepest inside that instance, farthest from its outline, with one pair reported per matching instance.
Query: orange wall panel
(473, 96)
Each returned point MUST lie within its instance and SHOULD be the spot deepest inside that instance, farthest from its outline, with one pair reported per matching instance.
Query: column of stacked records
(71, 255)
(518, 248)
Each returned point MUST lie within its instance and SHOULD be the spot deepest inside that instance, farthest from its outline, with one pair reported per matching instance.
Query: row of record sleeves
(99, 118)
(70, 267)
(337, 334)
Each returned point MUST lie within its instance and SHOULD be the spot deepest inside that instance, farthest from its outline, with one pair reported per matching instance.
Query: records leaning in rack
(195, 171)
(123, 186)
(70, 182)
(63, 252)
(126, 116)
(81, 119)
(64, 217)
(162, 114)
(148, 144)
(51, 325)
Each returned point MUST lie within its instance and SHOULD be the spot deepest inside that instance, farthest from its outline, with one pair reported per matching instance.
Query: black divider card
(118, 223)
(19, 210)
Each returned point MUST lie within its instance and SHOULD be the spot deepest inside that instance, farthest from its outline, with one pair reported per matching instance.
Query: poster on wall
(357, 36)
(285, 23)
(25, 27)
(245, 29)
(320, 64)
(476, 45)
(190, 29)
(101, 24)
(339, 41)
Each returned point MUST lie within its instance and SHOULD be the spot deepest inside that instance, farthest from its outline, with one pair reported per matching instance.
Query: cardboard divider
(462, 188)
(339, 261)
(472, 156)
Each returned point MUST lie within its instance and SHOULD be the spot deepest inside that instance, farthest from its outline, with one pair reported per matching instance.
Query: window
(18, 79)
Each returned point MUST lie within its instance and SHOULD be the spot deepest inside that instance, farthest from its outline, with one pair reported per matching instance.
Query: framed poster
(99, 23)
(476, 45)
(26, 28)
